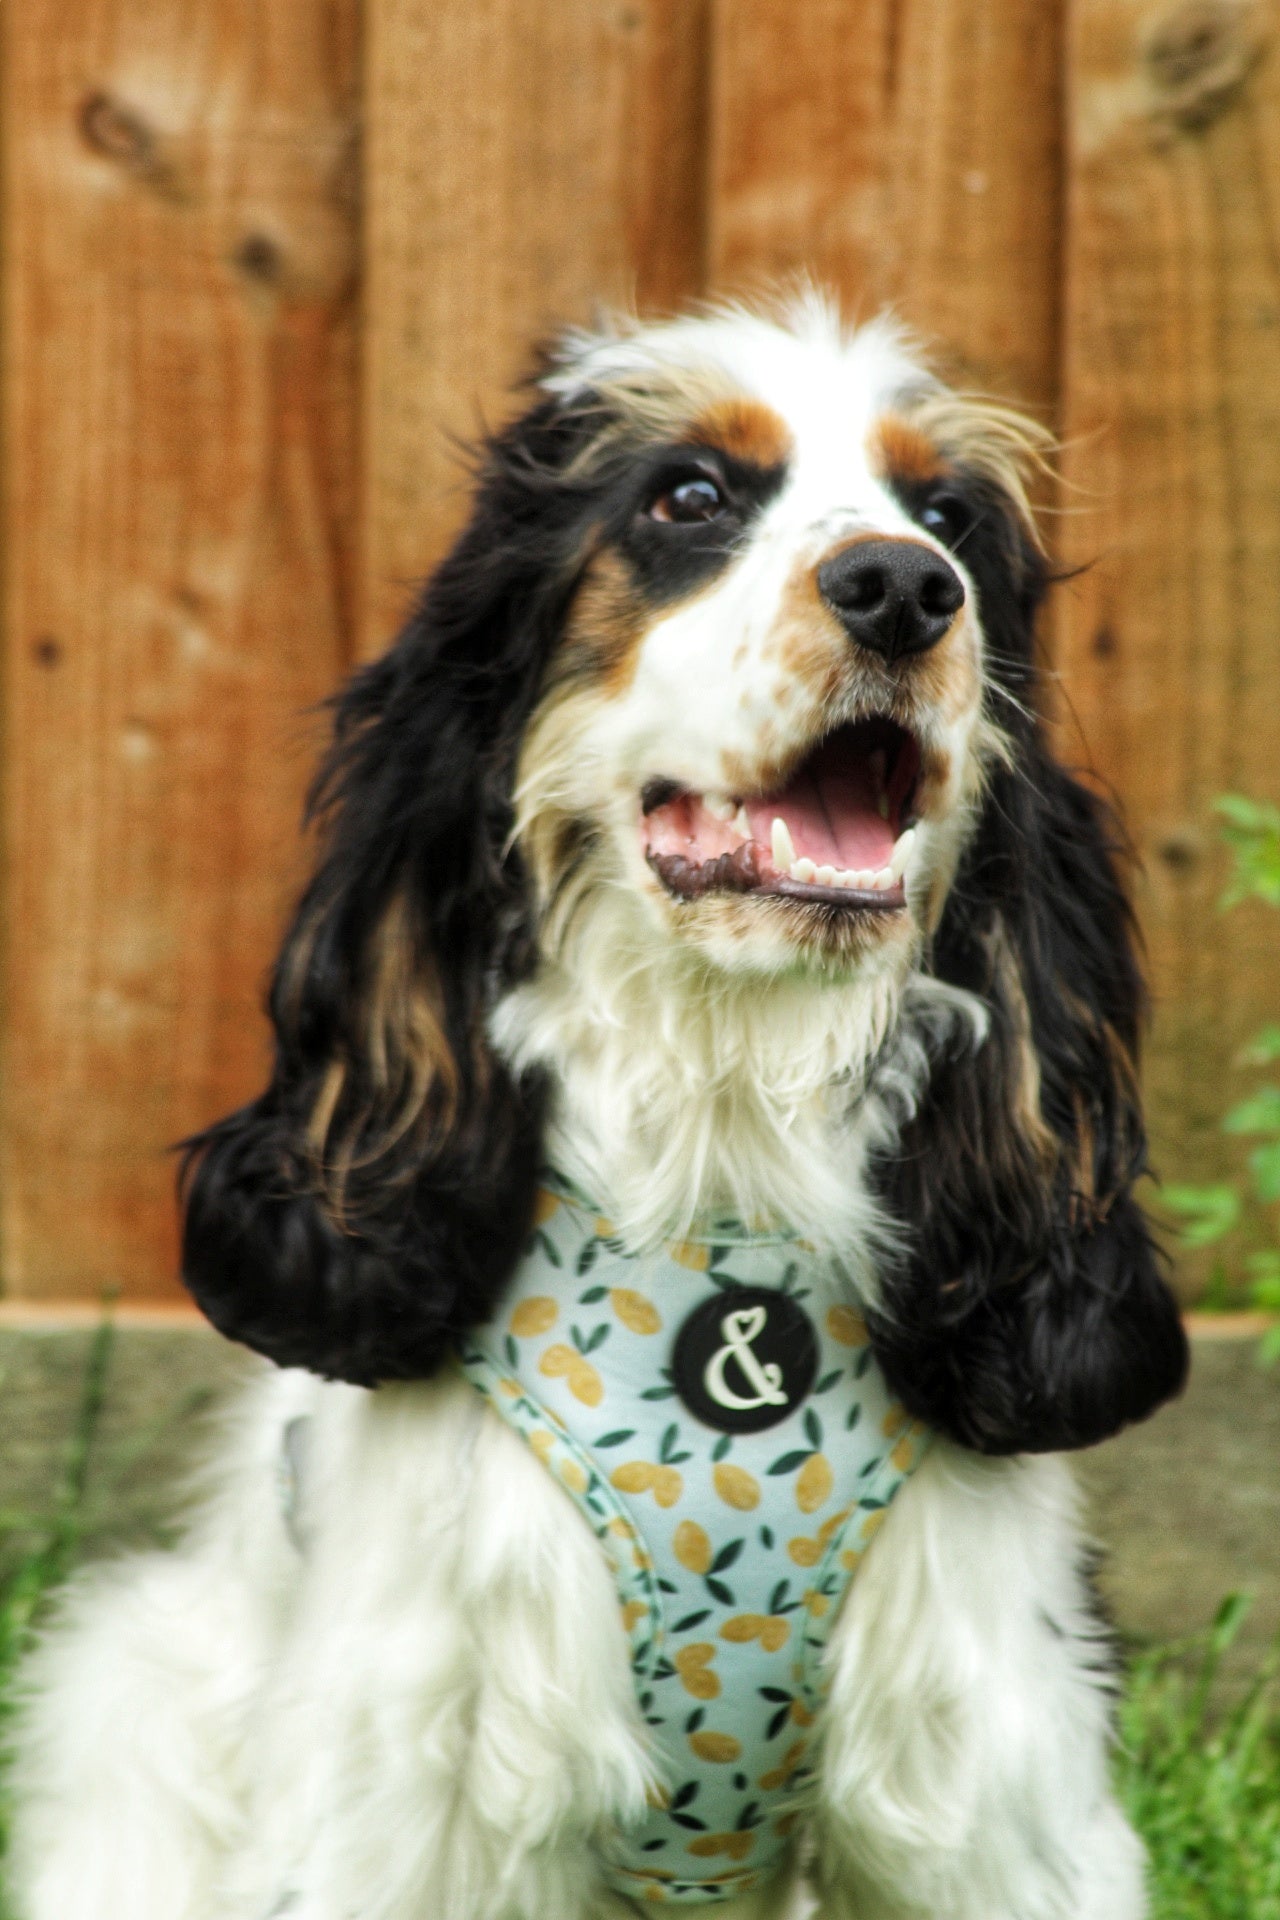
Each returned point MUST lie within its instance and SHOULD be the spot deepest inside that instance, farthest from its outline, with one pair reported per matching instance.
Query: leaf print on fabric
(588, 1342)
(693, 1254)
(635, 1310)
(587, 1258)
(615, 1439)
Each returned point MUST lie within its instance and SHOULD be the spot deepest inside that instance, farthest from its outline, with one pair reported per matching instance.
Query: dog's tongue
(831, 811)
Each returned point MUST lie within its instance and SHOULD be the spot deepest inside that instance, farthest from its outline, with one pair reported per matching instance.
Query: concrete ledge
(1187, 1507)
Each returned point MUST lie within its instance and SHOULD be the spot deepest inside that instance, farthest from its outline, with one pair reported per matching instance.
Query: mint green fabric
(731, 1553)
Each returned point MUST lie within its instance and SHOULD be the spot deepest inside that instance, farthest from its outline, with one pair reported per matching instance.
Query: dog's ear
(374, 1199)
(1029, 1312)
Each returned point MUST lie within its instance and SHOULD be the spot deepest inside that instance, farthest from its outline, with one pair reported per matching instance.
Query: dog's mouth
(838, 832)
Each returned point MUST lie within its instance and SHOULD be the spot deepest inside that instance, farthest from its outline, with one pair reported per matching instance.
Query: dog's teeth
(883, 880)
(862, 879)
(902, 852)
(802, 870)
(718, 805)
(825, 876)
(784, 853)
(741, 824)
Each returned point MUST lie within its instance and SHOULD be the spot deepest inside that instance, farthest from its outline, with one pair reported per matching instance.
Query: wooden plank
(1170, 642)
(179, 354)
(525, 160)
(904, 152)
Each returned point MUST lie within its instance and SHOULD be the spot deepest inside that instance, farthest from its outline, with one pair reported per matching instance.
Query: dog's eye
(947, 516)
(690, 501)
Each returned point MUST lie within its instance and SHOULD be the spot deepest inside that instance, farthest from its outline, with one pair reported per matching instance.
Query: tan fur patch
(900, 450)
(409, 1062)
(605, 628)
(746, 430)
(1005, 446)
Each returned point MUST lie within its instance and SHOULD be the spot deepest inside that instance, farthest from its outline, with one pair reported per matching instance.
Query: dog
(691, 1207)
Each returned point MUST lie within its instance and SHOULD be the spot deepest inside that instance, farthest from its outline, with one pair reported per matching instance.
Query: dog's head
(736, 652)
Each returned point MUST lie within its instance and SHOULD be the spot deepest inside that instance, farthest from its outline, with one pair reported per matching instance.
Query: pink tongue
(831, 815)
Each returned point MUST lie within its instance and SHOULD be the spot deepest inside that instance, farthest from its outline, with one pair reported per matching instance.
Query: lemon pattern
(731, 1552)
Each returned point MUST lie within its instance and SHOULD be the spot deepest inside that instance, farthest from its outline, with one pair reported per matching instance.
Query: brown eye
(691, 501)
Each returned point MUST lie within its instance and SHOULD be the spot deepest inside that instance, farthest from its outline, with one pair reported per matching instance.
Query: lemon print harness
(715, 1413)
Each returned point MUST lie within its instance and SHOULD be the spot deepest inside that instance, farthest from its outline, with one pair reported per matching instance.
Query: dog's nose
(893, 596)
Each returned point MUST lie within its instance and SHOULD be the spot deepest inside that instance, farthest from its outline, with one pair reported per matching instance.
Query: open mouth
(839, 832)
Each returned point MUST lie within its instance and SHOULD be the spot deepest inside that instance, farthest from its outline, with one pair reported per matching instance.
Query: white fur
(410, 1698)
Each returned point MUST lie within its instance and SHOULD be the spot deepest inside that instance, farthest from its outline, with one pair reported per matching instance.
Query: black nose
(893, 596)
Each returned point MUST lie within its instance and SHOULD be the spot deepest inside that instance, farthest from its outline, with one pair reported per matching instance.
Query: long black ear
(1030, 1313)
(373, 1200)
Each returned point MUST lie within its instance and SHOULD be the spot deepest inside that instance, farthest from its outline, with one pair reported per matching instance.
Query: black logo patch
(745, 1359)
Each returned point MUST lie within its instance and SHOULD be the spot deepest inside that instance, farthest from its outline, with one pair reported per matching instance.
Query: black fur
(414, 802)
(1030, 1314)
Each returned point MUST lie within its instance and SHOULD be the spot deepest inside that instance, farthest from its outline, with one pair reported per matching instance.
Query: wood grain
(179, 368)
(1170, 643)
(904, 152)
(526, 159)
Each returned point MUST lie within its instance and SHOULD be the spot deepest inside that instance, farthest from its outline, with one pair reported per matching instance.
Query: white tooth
(718, 805)
(825, 876)
(803, 869)
(882, 881)
(902, 852)
(844, 877)
(783, 848)
(862, 879)
(741, 824)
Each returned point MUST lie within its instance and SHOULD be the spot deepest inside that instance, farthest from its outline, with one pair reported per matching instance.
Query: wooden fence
(262, 258)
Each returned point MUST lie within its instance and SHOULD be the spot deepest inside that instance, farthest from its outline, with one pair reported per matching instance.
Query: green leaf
(591, 1295)
(1264, 1164)
(790, 1462)
(721, 1447)
(1269, 1347)
(587, 1258)
(812, 1428)
(1263, 1048)
(1208, 1212)
(616, 1438)
(668, 1443)
(719, 1591)
(598, 1337)
(1260, 1113)
(727, 1556)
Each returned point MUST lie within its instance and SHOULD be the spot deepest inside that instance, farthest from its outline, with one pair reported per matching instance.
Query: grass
(1199, 1777)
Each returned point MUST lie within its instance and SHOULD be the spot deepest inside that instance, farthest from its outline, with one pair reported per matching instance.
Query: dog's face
(730, 675)
(765, 714)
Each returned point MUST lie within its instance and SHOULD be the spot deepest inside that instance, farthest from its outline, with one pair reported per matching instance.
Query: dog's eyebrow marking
(746, 430)
(900, 450)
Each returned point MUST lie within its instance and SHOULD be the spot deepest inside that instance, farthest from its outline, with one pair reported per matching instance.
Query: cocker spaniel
(692, 1197)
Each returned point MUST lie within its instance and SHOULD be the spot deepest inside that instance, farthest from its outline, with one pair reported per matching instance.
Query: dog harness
(715, 1413)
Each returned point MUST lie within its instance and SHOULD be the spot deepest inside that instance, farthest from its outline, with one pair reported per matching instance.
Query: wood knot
(260, 258)
(118, 133)
(1197, 56)
(47, 651)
